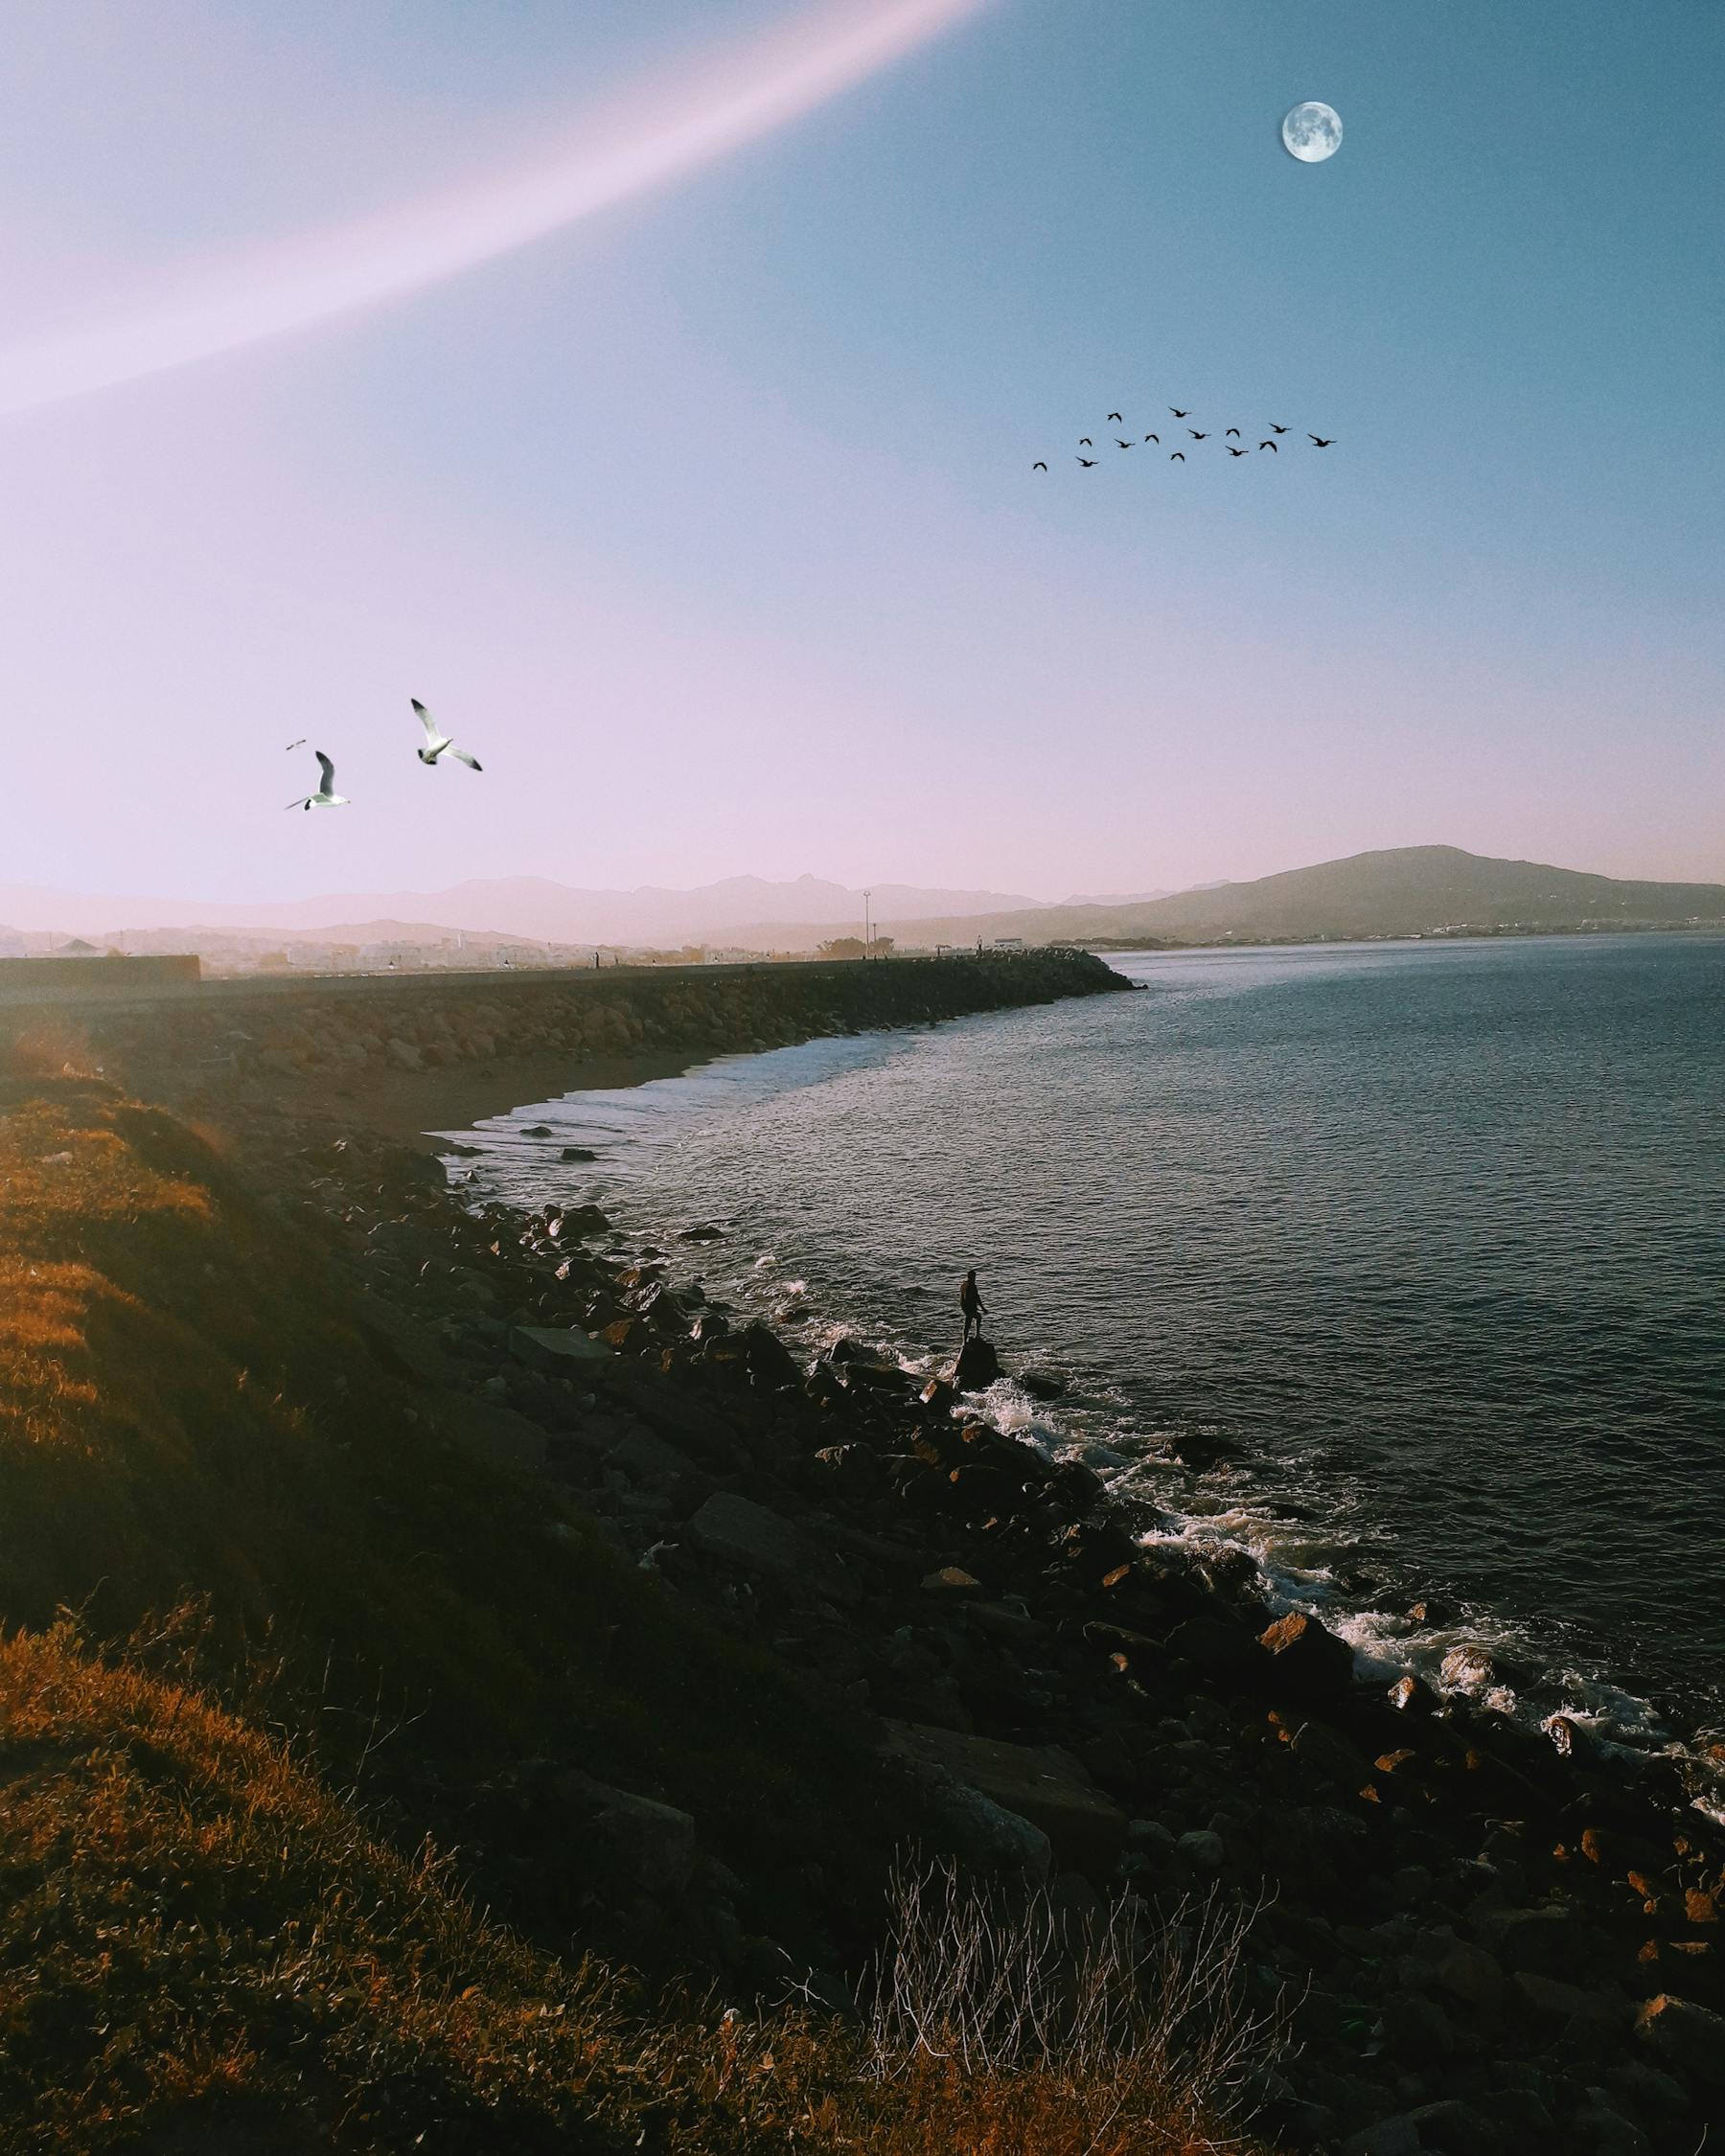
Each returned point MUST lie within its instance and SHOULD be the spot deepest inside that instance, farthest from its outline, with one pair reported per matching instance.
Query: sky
(705, 517)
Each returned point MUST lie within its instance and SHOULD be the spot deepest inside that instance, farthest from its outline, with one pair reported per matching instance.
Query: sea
(1400, 1265)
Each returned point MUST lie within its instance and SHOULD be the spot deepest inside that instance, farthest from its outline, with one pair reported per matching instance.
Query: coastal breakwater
(211, 1034)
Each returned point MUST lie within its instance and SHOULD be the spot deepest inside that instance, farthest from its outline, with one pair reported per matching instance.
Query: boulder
(1306, 1662)
(402, 1054)
(978, 1367)
(651, 1844)
(555, 1349)
(951, 1580)
(578, 1153)
(740, 1532)
(1469, 1973)
(1685, 2036)
(768, 1360)
(1553, 2000)
(1038, 1782)
(1042, 1384)
(497, 1436)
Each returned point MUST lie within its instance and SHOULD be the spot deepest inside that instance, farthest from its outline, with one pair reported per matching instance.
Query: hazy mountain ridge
(533, 907)
(1404, 891)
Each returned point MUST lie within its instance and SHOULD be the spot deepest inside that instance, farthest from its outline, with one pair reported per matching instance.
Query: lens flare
(646, 141)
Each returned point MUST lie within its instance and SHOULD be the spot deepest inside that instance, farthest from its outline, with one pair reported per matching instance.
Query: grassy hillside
(229, 1564)
(1406, 891)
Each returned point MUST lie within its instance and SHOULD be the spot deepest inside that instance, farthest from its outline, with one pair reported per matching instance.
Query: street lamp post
(865, 934)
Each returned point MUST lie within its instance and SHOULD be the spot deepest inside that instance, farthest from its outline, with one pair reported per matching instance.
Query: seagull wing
(426, 719)
(1116, 416)
(461, 756)
(300, 743)
(327, 770)
(1156, 438)
(301, 803)
(1179, 457)
(1039, 468)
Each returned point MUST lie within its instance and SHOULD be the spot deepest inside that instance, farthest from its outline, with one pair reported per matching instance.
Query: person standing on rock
(970, 1302)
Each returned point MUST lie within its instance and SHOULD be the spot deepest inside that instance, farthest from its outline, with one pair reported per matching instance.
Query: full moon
(1312, 132)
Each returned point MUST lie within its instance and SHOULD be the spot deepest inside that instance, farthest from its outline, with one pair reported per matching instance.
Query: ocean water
(1426, 1240)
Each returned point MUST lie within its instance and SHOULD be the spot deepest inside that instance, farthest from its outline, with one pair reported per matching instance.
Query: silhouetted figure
(970, 1302)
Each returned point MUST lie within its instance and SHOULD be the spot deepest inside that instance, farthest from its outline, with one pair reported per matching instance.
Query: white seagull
(437, 742)
(326, 796)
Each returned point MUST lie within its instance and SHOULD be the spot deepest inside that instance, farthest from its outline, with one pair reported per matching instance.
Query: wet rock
(1304, 1660)
(938, 1396)
(538, 1130)
(978, 1367)
(703, 1232)
(1685, 2036)
(1042, 1384)
(1202, 1849)
(1041, 1783)
(578, 1153)
(768, 1360)
(1413, 1695)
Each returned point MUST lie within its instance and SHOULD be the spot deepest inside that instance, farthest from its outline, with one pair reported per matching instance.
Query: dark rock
(1042, 1384)
(556, 1349)
(1304, 1660)
(1413, 1695)
(578, 1153)
(1041, 1783)
(1688, 2036)
(978, 1367)
(705, 1232)
(651, 1844)
(769, 1362)
(538, 1130)
(743, 1533)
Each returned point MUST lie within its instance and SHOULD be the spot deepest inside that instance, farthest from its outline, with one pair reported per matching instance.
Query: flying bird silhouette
(1118, 415)
(438, 742)
(1270, 446)
(1274, 429)
(1039, 468)
(1234, 431)
(1322, 443)
(1124, 445)
(326, 796)
(1156, 438)
(1178, 457)
(1089, 463)
(300, 743)
(1237, 453)
(1178, 413)
(1085, 441)
(1196, 436)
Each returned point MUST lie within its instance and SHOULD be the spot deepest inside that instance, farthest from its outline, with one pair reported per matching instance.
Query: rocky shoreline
(1490, 1939)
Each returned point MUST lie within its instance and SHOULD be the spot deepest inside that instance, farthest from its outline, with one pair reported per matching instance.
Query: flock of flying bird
(437, 744)
(1179, 456)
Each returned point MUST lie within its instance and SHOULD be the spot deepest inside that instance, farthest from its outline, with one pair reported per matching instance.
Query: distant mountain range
(531, 907)
(1407, 890)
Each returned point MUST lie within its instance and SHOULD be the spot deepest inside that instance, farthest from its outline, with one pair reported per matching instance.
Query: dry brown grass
(207, 1945)
(194, 1928)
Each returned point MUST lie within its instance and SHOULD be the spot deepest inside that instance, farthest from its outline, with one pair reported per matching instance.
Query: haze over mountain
(1406, 891)
(525, 905)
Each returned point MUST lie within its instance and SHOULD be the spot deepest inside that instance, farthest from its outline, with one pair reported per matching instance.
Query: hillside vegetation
(230, 1572)
(1404, 891)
